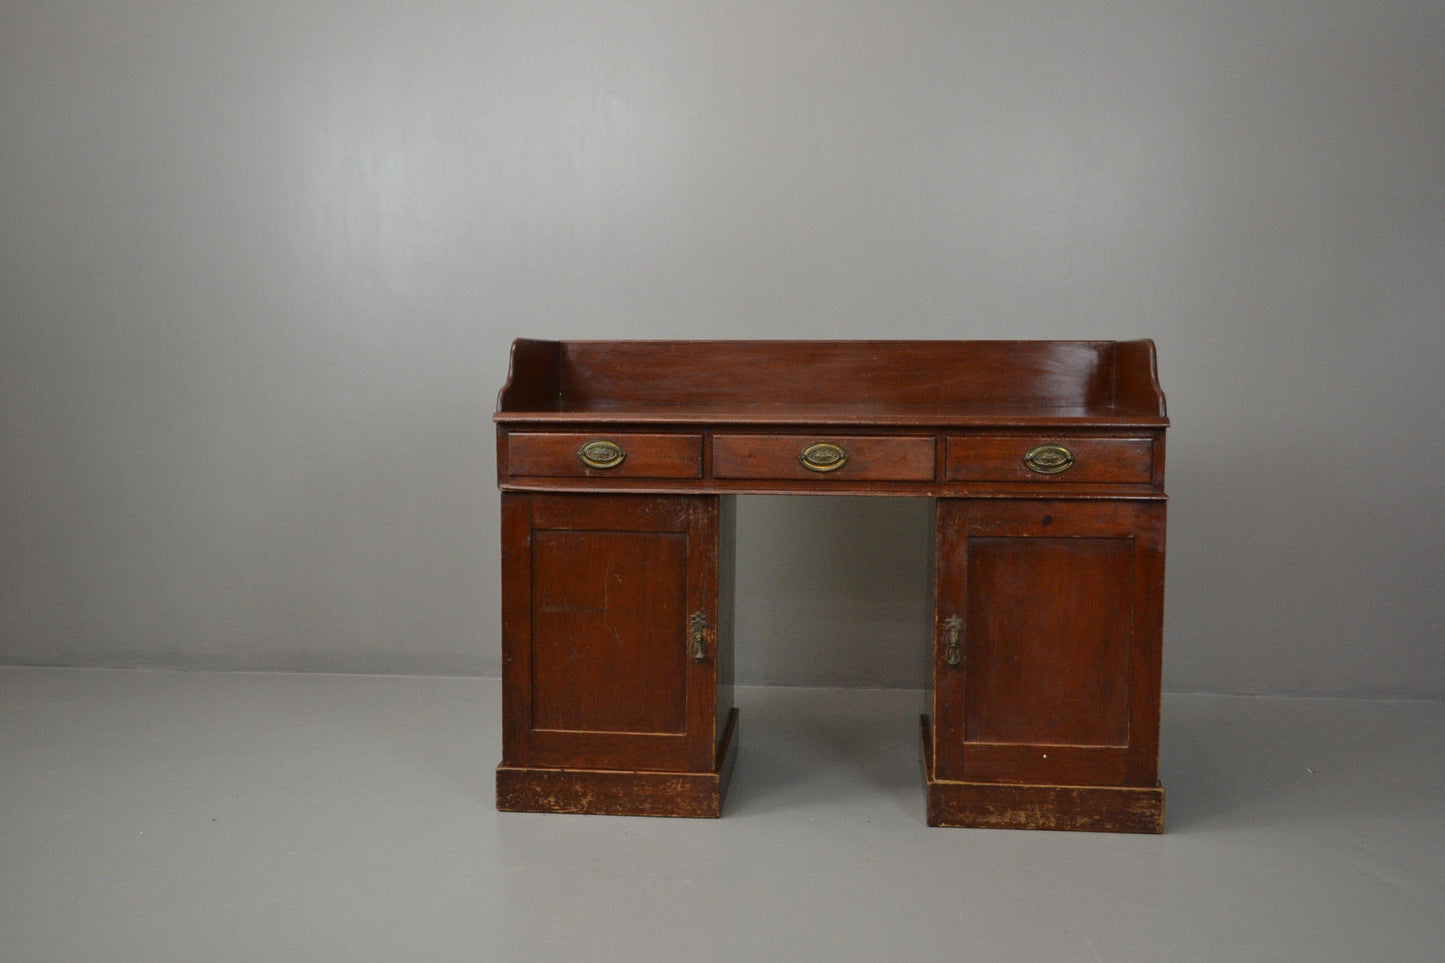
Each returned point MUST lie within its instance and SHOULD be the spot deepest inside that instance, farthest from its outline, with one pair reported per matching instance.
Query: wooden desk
(619, 462)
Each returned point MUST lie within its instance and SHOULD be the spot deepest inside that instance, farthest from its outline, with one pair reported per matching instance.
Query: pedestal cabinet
(614, 653)
(619, 462)
(1046, 670)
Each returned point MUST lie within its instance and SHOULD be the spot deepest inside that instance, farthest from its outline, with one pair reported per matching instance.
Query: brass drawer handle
(823, 457)
(1049, 459)
(601, 453)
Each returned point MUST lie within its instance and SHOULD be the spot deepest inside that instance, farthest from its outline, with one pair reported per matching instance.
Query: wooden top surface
(864, 383)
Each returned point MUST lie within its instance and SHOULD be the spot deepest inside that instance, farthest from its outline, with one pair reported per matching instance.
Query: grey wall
(260, 263)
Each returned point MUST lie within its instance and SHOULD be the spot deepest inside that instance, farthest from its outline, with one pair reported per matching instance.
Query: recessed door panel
(608, 618)
(1048, 640)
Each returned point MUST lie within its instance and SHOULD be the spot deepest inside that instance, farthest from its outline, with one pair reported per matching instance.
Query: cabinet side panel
(516, 626)
(607, 631)
(1148, 644)
(950, 594)
(726, 581)
(1048, 641)
(531, 377)
(1136, 378)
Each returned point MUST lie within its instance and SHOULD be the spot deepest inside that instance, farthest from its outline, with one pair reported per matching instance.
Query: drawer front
(822, 457)
(1052, 459)
(596, 455)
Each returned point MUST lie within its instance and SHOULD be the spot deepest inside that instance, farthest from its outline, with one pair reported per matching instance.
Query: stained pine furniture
(619, 462)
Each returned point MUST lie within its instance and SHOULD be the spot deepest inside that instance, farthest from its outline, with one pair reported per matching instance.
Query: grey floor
(214, 816)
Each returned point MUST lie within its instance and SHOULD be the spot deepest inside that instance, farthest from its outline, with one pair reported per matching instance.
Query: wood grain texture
(1045, 662)
(799, 375)
(809, 372)
(601, 634)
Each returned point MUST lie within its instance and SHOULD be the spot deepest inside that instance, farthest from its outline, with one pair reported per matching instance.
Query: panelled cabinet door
(609, 631)
(1049, 623)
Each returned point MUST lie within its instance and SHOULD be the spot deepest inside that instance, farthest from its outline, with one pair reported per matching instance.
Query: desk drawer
(594, 454)
(1050, 459)
(821, 457)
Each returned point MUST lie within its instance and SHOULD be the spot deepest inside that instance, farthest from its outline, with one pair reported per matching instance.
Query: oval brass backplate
(823, 457)
(601, 453)
(1049, 459)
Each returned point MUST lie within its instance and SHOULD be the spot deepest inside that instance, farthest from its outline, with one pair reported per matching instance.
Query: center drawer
(819, 457)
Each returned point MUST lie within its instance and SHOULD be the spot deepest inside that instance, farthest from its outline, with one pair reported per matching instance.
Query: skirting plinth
(621, 793)
(1110, 809)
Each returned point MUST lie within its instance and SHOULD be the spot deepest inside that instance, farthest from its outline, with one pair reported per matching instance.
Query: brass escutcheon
(822, 457)
(952, 650)
(601, 453)
(1049, 459)
(697, 647)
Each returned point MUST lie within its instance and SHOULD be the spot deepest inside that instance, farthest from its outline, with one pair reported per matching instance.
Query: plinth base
(609, 792)
(1104, 809)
